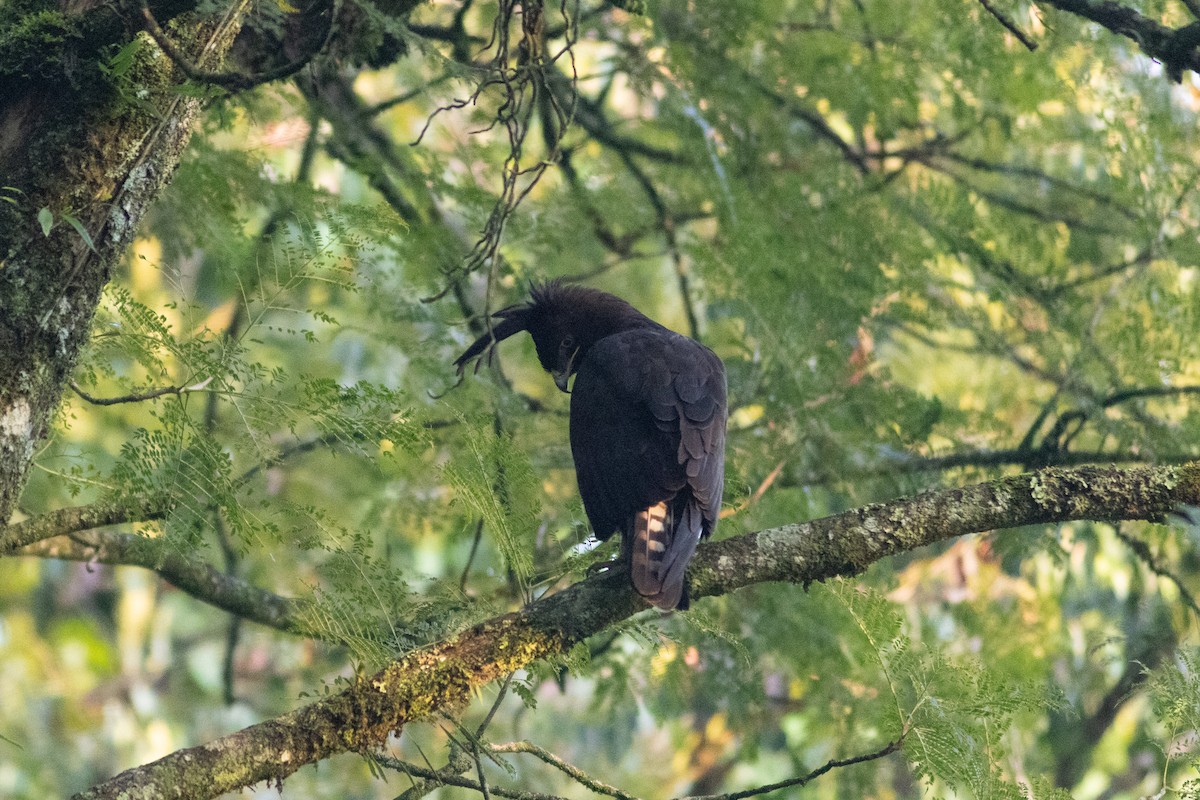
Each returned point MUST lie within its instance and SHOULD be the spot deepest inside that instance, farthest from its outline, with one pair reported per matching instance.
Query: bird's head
(564, 321)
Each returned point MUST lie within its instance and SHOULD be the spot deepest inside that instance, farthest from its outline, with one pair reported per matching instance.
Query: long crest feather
(513, 320)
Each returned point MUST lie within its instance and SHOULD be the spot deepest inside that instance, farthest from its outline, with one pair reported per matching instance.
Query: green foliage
(372, 610)
(1174, 692)
(926, 256)
(121, 63)
(496, 482)
(31, 41)
(955, 714)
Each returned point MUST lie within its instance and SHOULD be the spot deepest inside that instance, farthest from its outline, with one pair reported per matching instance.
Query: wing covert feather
(648, 425)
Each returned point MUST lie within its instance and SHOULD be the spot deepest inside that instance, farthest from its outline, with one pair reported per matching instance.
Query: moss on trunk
(80, 137)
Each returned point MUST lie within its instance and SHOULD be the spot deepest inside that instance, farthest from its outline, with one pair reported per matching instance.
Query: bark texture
(78, 146)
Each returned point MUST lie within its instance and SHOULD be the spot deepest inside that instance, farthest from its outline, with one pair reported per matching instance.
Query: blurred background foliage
(927, 255)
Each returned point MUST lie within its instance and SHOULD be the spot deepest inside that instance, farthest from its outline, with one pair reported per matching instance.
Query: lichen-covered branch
(74, 519)
(444, 676)
(193, 575)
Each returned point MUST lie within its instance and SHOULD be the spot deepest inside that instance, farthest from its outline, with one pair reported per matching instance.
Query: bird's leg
(602, 566)
(622, 557)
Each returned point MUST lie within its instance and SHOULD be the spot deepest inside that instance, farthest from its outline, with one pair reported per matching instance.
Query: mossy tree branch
(444, 676)
(77, 518)
(192, 575)
(72, 534)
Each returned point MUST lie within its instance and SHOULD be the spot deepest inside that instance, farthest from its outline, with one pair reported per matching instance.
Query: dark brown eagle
(647, 425)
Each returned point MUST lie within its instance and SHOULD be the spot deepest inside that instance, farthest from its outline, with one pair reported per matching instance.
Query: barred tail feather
(661, 549)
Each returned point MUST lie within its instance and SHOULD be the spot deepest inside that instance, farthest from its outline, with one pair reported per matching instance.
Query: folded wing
(648, 415)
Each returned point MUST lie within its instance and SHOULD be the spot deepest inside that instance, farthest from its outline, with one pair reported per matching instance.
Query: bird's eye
(568, 342)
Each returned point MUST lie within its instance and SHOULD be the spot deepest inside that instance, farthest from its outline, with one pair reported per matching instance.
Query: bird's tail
(661, 548)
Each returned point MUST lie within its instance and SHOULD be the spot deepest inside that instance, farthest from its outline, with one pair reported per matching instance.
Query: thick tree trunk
(80, 140)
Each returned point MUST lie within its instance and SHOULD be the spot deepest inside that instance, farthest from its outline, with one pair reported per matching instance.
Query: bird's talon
(600, 566)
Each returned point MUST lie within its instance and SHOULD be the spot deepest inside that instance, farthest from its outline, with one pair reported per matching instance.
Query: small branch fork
(447, 775)
(232, 81)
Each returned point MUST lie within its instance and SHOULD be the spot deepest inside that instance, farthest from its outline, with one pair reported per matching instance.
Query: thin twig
(293, 449)
(443, 776)
(457, 763)
(233, 81)
(483, 726)
(1018, 206)
(666, 224)
(483, 786)
(138, 397)
(834, 763)
(234, 632)
(462, 581)
(1003, 19)
(816, 121)
(1034, 174)
(1140, 260)
(1142, 551)
(412, 94)
(575, 773)
(476, 746)
(233, 635)
(758, 493)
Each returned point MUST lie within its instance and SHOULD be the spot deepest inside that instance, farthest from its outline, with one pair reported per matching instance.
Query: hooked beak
(561, 376)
